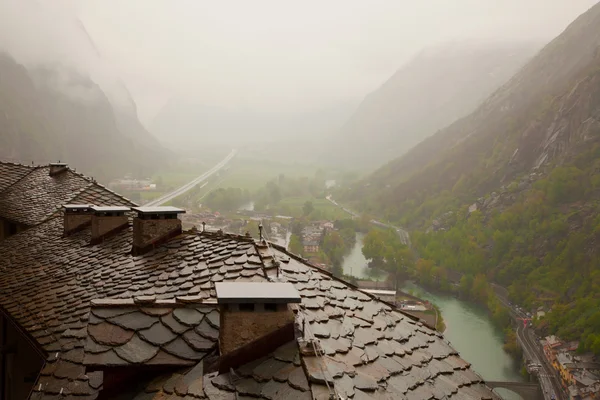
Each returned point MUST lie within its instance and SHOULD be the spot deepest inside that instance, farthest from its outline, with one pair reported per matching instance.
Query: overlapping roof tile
(30, 195)
(10, 173)
(152, 334)
(30, 200)
(96, 306)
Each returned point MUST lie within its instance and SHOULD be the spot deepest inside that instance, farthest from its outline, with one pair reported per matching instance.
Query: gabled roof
(368, 345)
(11, 173)
(95, 306)
(29, 195)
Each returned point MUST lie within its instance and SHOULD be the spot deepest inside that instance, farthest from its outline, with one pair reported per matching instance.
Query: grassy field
(323, 206)
(252, 174)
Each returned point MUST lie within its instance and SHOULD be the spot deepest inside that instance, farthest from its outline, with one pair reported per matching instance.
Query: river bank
(474, 335)
(469, 326)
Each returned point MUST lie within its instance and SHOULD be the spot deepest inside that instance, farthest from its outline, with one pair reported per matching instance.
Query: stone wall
(102, 225)
(148, 231)
(241, 327)
(74, 222)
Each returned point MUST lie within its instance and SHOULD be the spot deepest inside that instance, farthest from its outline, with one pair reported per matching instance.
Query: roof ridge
(32, 169)
(220, 233)
(345, 282)
(21, 164)
(76, 193)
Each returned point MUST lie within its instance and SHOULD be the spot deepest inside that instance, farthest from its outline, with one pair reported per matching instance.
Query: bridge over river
(527, 391)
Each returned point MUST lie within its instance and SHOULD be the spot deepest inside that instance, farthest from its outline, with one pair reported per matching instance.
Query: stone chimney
(107, 220)
(57, 168)
(256, 318)
(77, 217)
(154, 226)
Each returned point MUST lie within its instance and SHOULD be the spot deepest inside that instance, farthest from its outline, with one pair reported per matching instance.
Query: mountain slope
(434, 89)
(511, 193)
(48, 114)
(529, 122)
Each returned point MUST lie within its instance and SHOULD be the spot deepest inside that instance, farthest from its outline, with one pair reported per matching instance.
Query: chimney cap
(158, 210)
(77, 207)
(58, 164)
(111, 209)
(256, 292)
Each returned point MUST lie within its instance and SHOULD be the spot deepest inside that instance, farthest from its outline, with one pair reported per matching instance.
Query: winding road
(533, 350)
(179, 191)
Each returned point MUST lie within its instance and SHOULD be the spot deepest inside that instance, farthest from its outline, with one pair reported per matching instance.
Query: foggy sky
(262, 54)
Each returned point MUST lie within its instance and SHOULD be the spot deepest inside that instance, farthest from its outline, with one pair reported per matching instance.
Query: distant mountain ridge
(49, 113)
(438, 86)
(510, 193)
(528, 123)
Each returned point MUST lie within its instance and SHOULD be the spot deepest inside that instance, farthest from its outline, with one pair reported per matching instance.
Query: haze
(266, 56)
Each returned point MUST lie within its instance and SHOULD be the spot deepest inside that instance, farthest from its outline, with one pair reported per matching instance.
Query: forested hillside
(511, 193)
(52, 113)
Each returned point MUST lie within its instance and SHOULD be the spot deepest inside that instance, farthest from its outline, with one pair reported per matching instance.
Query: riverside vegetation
(510, 193)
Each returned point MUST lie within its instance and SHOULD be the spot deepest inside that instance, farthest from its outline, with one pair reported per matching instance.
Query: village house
(311, 238)
(102, 299)
(550, 346)
(310, 245)
(579, 373)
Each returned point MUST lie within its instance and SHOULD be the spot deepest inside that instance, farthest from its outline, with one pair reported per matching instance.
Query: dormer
(256, 318)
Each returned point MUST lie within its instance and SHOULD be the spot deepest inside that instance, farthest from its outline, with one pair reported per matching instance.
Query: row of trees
(229, 199)
(543, 248)
(337, 244)
(284, 187)
(385, 251)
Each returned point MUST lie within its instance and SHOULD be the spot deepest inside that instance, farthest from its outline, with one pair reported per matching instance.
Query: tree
(295, 245)
(374, 246)
(307, 208)
(298, 226)
(334, 248)
(424, 271)
(399, 259)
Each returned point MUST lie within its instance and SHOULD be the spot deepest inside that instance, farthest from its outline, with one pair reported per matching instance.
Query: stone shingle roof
(11, 173)
(368, 345)
(29, 195)
(121, 333)
(89, 307)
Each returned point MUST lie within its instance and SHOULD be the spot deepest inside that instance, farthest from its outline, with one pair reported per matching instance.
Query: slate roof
(11, 173)
(29, 195)
(121, 333)
(368, 345)
(95, 306)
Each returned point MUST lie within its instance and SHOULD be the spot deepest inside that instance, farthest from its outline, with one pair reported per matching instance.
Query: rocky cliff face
(49, 114)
